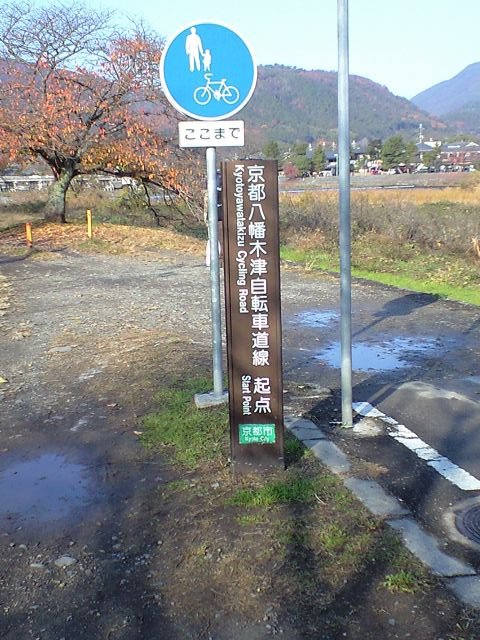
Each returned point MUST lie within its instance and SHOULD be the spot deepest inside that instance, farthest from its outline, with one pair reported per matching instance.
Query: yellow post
(89, 224)
(28, 233)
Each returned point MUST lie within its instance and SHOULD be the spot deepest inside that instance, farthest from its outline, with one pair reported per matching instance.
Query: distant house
(422, 148)
(460, 154)
(331, 166)
(426, 146)
(359, 149)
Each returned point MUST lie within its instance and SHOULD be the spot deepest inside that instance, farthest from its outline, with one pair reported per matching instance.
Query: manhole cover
(467, 522)
(462, 522)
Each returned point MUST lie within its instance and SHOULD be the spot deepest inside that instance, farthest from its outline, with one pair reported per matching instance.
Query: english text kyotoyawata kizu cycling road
(208, 71)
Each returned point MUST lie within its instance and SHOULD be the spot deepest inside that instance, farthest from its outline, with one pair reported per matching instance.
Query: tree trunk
(55, 206)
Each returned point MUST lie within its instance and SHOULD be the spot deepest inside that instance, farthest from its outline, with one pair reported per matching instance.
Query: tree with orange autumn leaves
(86, 98)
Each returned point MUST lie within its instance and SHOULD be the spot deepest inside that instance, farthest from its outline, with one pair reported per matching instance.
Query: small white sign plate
(224, 133)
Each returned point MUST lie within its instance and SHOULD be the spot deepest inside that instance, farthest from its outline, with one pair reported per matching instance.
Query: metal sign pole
(214, 272)
(217, 396)
(344, 205)
(205, 95)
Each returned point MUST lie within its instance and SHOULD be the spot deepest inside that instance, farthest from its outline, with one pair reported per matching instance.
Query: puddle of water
(44, 488)
(317, 318)
(388, 356)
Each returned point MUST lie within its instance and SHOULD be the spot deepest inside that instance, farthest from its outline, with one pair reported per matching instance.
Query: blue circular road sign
(207, 71)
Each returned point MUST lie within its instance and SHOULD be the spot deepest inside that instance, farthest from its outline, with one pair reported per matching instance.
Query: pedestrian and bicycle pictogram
(208, 72)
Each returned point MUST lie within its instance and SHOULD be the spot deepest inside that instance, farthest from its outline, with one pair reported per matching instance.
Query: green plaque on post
(256, 434)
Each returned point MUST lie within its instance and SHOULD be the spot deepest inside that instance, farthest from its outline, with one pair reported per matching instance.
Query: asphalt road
(415, 372)
(415, 358)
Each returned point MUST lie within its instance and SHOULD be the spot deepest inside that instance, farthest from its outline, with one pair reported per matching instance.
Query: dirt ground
(132, 546)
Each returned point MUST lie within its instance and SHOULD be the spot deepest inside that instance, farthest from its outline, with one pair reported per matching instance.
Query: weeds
(403, 581)
(292, 489)
(404, 266)
(423, 240)
(294, 450)
(447, 226)
(334, 537)
(250, 519)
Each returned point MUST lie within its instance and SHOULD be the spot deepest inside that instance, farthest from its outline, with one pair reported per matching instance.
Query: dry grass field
(424, 235)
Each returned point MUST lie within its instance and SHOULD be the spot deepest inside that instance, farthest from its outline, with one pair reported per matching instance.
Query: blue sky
(407, 45)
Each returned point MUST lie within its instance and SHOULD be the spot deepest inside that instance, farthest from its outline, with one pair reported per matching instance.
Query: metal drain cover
(462, 522)
(467, 522)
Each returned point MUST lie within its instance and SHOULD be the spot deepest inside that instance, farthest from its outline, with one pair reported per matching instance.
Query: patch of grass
(303, 522)
(276, 492)
(98, 245)
(446, 276)
(107, 238)
(404, 572)
(330, 488)
(197, 436)
(334, 537)
(469, 295)
(174, 487)
(19, 207)
(293, 532)
(311, 259)
(403, 581)
(12, 219)
(251, 519)
(294, 450)
(420, 241)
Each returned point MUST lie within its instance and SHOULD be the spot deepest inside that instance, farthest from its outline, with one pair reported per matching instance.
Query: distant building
(40, 182)
(422, 148)
(460, 154)
(24, 183)
(331, 165)
(433, 143)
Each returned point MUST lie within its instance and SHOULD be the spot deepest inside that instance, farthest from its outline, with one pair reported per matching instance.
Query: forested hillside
(292, 104)
(466, 119)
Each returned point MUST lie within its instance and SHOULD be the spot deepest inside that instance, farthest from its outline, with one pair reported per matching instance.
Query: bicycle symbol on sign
(217, 89)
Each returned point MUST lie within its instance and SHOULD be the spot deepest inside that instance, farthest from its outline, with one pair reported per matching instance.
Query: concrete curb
(459, 577)
(375, 499)
(425, 547)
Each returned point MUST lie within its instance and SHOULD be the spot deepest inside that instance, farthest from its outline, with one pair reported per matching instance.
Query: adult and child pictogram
(216, 89)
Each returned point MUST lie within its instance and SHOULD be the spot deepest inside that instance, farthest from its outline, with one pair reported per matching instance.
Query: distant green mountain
(452, 95)
(292, 104)
(466, 119)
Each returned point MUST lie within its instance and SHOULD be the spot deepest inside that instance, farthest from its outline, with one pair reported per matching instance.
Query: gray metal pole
(344, 207)
(214, 272)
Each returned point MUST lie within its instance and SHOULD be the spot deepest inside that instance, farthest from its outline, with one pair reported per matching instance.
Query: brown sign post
(253, 320)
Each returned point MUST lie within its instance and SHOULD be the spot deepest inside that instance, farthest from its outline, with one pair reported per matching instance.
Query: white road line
(399, 432)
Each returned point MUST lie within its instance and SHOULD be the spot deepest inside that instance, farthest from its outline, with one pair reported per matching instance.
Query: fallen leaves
(107, 238)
